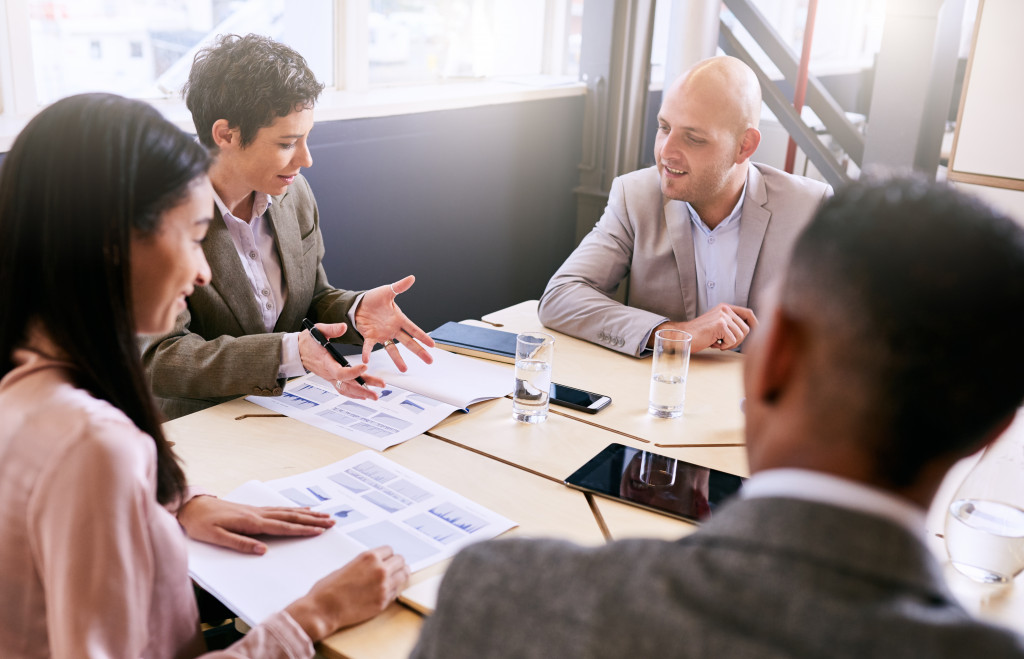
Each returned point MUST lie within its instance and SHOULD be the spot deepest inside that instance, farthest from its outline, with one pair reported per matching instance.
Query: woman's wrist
(305, 612)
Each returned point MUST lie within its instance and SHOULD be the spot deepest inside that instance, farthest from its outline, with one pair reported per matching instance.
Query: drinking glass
(535, 352)
(985, 523)
(668, 373)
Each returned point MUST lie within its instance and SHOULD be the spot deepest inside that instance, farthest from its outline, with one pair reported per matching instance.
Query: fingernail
(260, 549)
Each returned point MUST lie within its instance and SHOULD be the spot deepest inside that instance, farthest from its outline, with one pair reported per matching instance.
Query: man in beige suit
(252, 100)
(700, 235)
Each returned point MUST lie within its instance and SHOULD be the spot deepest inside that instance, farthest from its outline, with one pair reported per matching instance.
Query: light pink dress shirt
(90, 564)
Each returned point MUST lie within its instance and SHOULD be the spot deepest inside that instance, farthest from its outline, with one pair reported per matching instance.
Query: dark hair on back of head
(79, 178)
(249, 81)
(928, 284)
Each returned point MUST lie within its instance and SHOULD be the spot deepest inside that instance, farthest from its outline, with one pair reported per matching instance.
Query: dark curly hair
(249, 81)
(920, 288)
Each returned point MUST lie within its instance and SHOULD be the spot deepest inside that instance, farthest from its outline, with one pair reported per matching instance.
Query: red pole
(801, 78)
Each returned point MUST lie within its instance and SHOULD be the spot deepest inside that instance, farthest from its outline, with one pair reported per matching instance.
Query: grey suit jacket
(219, 348)
(648, 237)
(764, 579)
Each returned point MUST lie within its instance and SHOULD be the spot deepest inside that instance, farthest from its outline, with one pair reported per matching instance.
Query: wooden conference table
(515, 469)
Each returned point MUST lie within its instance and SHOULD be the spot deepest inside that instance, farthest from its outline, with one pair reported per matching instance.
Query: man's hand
(354, 593)
(380, 320)
(723, 327)
(228, 524)
(315, 358)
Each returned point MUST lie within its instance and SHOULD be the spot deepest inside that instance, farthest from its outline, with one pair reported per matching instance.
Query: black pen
(328, 346)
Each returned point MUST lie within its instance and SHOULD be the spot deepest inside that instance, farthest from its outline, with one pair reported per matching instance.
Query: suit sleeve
(577, 300)
(182, 364)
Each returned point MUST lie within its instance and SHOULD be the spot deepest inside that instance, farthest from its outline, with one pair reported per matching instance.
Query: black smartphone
(577, 399)
(656, 482)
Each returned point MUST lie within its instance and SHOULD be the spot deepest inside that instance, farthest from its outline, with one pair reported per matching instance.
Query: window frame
(350, 97)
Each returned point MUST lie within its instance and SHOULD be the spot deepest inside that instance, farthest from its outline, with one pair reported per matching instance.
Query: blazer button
(276, 391)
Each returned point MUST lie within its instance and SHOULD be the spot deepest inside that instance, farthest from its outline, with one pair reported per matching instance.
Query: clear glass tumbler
(535, 352)
(985, 522)
(668, 373)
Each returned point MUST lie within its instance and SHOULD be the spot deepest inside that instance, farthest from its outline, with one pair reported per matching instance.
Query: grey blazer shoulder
(767, 578)
(219, 348)
(647, 237)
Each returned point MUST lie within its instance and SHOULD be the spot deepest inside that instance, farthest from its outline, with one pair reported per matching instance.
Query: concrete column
(693, 35)
(614, 63)
(913, 84)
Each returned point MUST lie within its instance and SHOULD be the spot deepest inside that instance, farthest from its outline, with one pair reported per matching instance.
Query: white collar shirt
(256, 247)
(833, 490)
(715, 256)
(257, 250)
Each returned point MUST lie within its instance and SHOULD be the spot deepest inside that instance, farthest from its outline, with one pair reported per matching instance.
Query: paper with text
(373, 502)
(411, 403)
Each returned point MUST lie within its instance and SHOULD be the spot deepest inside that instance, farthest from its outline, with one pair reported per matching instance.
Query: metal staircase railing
(825, 107)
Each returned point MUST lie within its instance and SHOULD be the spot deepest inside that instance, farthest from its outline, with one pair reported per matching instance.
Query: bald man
(701, 234)
(856, 409)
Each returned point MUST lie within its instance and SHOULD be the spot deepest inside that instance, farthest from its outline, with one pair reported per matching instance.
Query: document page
(398, 415)
(373, 502)
(411, 403)
(453, 379)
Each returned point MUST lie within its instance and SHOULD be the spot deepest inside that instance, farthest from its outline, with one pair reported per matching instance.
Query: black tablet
(655, 482)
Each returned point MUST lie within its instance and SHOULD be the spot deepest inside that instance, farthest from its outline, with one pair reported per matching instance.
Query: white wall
(1010, 202)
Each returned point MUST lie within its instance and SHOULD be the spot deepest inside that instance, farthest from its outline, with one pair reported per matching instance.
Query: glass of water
(985, 523)
(668, 373)
(535, 352)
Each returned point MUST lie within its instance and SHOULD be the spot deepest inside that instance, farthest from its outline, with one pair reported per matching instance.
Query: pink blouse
(90, 563)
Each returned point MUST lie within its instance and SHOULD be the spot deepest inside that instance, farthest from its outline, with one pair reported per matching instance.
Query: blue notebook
(476, 341)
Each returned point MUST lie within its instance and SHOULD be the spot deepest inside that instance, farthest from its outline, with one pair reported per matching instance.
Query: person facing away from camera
(860, 396)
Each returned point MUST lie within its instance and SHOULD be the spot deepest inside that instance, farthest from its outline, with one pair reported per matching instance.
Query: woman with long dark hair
(103, 209)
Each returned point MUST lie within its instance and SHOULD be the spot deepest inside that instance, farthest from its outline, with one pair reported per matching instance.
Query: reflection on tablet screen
(656, 482)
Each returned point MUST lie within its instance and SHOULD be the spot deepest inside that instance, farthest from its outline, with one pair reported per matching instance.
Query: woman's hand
(228, 524)
(379, 320)
(354, 593)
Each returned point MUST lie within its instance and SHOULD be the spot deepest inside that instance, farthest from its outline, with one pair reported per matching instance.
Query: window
(369, 50)
(417, 41)
(161, 37)
(847, 35)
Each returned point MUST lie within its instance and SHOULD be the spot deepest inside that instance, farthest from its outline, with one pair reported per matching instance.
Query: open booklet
(412, 403)
(373, 502)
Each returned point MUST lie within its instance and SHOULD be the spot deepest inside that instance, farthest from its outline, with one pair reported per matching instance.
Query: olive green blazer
(219, 348)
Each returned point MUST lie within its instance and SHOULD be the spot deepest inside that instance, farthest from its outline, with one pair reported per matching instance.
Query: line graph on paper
(431, 526)
(458, 517)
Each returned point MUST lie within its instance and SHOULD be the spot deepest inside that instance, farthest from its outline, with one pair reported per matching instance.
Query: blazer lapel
(289, 251)
(231, 282)
(753, 224)
(680, 233)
